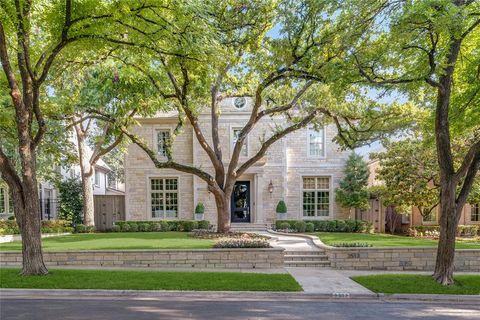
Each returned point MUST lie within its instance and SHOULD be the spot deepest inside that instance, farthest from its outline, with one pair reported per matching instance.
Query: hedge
(162, 225)
(48, 226)
(462, 230)
(325, 225)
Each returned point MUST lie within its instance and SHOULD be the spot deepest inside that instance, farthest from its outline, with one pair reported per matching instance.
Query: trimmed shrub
(341, 226)
(116, 228)
(125, 227)
(331, 226)
(133, 227)
(284, 226)
(143, 227)
(203, 225)
(80, 228)
(156, 227)
(300, 226)
(309, 227)
(350, 226)
(281, 207)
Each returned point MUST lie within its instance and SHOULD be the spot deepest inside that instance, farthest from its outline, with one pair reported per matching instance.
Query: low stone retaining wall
(420, 259)
(270, 258)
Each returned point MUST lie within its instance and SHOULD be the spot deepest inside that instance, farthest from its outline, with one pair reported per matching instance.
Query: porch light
(270, 187)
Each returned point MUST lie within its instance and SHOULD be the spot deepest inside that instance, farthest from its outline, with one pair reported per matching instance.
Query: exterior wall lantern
(270, 187)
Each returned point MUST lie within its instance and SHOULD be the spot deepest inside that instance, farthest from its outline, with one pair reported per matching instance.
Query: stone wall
(209, 259)
(419, 259)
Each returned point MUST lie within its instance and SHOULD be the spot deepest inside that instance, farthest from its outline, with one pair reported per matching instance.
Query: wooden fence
(108, 209)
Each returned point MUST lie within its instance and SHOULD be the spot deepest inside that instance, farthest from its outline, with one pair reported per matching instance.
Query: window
(3, 200)
(429, 216)
(164, 197)
(162, 139)
(316, 196)
(235, 135)
(475, 212)
(316, 146)
(97, 178)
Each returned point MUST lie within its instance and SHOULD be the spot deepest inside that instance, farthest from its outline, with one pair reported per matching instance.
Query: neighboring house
(380, 214)
(304, 168)
(49, 195)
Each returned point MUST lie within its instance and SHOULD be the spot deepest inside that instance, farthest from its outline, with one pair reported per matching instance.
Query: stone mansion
(303, 169)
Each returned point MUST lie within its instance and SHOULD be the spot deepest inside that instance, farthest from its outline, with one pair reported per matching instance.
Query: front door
(240, 202)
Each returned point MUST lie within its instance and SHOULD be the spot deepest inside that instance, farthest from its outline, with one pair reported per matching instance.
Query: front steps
(249, 227)
(306, 259)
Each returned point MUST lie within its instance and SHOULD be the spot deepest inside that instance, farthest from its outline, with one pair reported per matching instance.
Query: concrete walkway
(289, 243)
(327, 281)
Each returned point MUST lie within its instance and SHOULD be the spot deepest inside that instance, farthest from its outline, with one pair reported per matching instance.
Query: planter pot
(281, 216)
(199, 216)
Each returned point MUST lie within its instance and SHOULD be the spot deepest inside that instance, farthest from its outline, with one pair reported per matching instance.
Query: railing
(48, 209)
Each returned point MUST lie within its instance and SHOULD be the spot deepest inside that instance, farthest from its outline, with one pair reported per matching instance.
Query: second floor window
(475, 213)
(162, 139)
(316, 146)
(235, 135)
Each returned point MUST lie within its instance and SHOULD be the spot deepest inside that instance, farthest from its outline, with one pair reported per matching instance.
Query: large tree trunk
(222, 200)
(88, 208)
(444, 264)
(86, 172)
(26, 207)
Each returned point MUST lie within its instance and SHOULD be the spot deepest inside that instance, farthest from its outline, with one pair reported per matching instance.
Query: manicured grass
(410, 283)
(120, 240)
(149, 280)
(387, 240)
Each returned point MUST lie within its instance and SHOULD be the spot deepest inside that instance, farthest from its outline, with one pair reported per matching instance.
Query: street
(178, 307)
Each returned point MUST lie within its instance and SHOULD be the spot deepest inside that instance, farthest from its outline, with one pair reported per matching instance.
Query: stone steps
(311, 259)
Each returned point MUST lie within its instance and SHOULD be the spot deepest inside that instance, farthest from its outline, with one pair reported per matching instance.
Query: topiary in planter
(199, 211)
(281, 210)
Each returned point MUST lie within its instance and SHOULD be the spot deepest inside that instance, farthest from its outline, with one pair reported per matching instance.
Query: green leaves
(353, 192)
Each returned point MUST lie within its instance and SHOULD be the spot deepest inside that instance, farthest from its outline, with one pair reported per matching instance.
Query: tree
(353, 192)
(33, 37)
(415, 48)
(104, 87)
(212, 51)
(70, 201)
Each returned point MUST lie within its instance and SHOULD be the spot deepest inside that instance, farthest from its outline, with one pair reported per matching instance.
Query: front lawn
(149, 280)
(410, 283)
(120, 240)
(387, 240)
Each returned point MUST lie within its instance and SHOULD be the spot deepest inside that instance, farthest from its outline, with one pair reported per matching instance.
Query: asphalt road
(126, 308)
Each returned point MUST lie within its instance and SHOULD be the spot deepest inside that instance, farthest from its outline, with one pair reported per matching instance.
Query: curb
(227, 295)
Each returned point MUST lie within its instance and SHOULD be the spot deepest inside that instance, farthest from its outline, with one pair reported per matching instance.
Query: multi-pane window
(316, 146)
(3, 200)
(162, 139)
(316, 196)
(235, 135)
(429, 216)
(164, 197)
(475, 213)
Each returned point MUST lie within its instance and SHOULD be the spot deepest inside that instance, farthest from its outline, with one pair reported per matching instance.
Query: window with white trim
(97, 178)
(162, 139)
(3, 200)
(429, 216)
(316, 145)
(164, 198)
(316, 196)
(475, 212)
(235, 135)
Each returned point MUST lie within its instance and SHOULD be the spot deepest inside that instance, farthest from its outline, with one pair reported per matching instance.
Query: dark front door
(240, 207)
